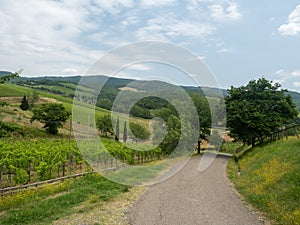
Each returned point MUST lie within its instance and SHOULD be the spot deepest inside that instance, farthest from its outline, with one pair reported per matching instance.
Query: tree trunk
(64, 169)
(28, 171)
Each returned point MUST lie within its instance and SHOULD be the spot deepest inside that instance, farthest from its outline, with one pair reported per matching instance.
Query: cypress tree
(117, 130)
(125, 133)
(24, 104)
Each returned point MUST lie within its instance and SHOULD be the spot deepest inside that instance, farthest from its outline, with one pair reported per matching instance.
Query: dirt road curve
(191, 197)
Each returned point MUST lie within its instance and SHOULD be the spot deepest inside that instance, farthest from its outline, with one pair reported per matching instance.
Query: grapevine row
(24, 161)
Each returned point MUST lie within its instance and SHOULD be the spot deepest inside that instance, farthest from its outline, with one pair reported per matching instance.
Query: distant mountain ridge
(114, 84)
(5, 73)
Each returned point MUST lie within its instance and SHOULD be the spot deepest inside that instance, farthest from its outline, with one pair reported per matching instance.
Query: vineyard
(24, 161)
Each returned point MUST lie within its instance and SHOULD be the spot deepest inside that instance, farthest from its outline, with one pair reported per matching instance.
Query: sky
(238, 40)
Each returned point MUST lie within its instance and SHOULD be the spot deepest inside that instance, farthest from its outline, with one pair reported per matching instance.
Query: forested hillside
(66, 86)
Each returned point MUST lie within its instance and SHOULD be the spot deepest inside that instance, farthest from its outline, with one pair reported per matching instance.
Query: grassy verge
(270, 180)
(233, 147)
(54, 202)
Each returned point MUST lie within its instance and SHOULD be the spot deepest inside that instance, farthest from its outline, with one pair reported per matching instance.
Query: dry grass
(111, 212)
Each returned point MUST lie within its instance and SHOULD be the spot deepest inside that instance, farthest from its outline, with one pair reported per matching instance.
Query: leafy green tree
(125, 132)
(33, 99)
(105, 104)
(24, 104)
(204, 115)
(138, 111)
(139, 131)
(256, 110)
(53, 115)
(172, 137)
(105, 126)
(159, 130)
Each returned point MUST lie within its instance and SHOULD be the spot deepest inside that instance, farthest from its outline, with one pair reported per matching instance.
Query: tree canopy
(53, 115)
(205, 119)
(104, 125)
(256, 110)
(139, 131)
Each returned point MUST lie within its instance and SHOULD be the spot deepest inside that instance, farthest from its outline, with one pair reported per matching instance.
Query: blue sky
(239, 40)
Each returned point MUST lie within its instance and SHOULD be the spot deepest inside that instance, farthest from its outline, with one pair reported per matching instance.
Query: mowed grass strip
(50, 203)
(270, 180)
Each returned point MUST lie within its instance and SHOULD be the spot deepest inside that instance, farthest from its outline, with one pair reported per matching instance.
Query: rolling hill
(66, 86)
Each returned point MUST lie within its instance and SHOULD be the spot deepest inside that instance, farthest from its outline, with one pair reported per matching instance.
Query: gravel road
(191, 197)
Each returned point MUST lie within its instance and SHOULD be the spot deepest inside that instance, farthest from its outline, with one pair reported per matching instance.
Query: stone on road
(193, 197)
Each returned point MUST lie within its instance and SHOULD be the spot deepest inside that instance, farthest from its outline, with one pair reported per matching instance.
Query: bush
(7, 128)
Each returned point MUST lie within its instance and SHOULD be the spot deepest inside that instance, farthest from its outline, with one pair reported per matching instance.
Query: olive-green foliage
(7, 128)
(138, 111)
(104, 125)
(53, 115)
(33, 99)
(172, 137)
(139, 131)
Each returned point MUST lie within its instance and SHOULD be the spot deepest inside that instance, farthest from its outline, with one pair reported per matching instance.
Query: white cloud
(225, 50)
(168, 27)
(67, 36)
(139, 67)
(291, 78)
(43, 32)
(113, 6)
(280, 72)
(292, 27)
(220, 43)
(283, 73)
(155, 3)
(131, 20)
(70, 71)
(295, 73)
(225, 13)
(296, 84)
(279, 81)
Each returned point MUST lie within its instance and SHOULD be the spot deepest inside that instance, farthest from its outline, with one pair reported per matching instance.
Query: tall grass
(43, 206)
(270, 179)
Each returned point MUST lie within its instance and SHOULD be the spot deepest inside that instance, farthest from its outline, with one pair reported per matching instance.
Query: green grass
(9, 90)
(231, 147)
(138, 175)
(45, 205)
(270, 179)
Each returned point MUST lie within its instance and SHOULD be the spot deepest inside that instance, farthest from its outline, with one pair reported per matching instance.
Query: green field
(10, 90)
(83, 109)
(52, 202)
(270, 180)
